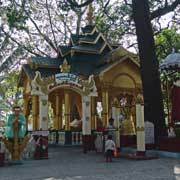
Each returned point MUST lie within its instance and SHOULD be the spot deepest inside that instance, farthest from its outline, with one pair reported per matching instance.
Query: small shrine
(88, 72)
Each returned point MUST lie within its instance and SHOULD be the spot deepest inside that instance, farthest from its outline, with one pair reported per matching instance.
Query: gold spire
(90, 16)
(65, 68)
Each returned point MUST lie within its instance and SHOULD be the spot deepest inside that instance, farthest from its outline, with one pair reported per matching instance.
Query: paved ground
(72, 164)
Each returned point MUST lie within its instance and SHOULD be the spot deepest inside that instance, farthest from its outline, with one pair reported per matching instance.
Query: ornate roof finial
(65, 68)
(90, 16)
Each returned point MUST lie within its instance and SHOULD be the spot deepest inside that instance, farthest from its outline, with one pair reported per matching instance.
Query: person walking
(109, 148)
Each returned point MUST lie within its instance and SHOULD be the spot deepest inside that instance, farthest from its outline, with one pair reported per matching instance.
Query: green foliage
(167, 41)
(9, 91)
(16, 18)
(114, 19)
(39, 26)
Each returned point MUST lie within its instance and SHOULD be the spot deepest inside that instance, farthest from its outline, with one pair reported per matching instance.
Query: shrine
(88, 72)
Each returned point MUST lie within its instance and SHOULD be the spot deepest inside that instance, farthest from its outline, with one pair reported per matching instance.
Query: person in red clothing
(176, 102)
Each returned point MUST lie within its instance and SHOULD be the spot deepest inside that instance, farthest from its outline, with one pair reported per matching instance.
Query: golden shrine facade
(88, 71)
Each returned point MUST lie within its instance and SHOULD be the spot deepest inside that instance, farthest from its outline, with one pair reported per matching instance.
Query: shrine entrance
(66, 104)
(70, 99)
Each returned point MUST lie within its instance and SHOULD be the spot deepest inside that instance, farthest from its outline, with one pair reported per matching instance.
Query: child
(109, 148)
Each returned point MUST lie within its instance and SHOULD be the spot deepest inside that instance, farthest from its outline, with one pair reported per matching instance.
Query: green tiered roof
(89, 38)
(87, 54)
(64, 50)
(88, 29)
(44, 62)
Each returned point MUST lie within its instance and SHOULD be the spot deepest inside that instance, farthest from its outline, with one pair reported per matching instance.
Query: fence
(58, 137)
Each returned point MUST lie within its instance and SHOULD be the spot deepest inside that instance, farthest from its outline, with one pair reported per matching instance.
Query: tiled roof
(85, 57)
(89, 38)
(88, 29)
(89, 48)
(45, 72)
(75, 38)
(84, 65)
(46, 61)
(65, 49)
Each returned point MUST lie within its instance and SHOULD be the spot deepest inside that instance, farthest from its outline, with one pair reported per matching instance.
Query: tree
(149, 67)
(167, 42)
(23, 29)
(24, 34)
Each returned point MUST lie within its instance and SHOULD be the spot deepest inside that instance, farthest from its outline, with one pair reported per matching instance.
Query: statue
(15, 139)
(19, 118)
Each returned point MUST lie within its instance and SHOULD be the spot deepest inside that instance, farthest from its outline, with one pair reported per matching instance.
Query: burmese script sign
(149, 132)
(68, 78)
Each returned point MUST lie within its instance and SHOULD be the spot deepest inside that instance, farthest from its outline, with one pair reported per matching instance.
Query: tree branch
(128, 4)
(73, 3)
(50, 21)
(166, 9)
(42, 34)
(19, 44)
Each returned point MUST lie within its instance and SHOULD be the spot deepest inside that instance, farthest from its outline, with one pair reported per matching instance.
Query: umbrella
(172, 62)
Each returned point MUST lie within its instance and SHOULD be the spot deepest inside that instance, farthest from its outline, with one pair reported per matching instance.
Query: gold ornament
(65, 68)
(140, 99)
(90, 15)
(140, 129)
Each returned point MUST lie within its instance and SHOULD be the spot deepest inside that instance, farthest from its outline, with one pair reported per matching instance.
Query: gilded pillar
(93, 113)
(25, 106)
(115, 116)
(67, 110)
(25, 109)
(56, 114)
(105, 107)
(35, 111)
(60, 125)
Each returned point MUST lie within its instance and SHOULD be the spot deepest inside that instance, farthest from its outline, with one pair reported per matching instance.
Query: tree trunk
(78, 26)
(149, 68)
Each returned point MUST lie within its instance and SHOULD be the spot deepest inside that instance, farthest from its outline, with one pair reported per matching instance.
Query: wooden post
(15, 152)
(93, 113)
(35, 110)
(105, 107)
(60, 125)
(56, 119)
(25, 109)
(67, 111)
(167, 100)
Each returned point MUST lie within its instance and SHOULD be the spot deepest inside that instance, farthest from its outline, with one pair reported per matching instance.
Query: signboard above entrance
(68, 78)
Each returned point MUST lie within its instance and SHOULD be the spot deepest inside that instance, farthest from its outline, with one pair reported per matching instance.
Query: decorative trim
(91, 33)
(44, 102)
(140, 129)
(87, 118)
(94, 42)
(43, 84)
(115, 63)
(140, 99)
